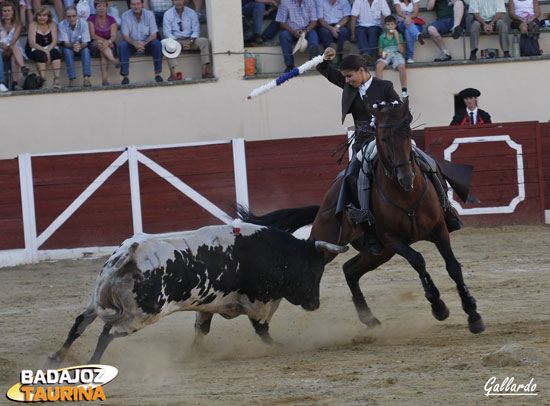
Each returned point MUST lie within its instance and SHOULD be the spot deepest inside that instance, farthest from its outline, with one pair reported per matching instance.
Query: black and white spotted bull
(217, 269)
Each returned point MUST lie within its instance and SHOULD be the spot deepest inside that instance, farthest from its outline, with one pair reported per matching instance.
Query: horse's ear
(405, 106)
(372, 110)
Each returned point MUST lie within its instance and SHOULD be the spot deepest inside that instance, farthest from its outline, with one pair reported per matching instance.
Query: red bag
(417, 20)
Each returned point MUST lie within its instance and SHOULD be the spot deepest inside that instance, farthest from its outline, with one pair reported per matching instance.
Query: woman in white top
(10, 31)
(524, 15)
(407, 10)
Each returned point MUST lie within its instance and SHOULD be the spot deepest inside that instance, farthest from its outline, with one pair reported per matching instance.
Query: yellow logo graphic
(72, 384)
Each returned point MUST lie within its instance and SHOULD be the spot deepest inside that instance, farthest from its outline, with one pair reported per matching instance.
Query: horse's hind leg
(475, 322)
(80, 324)
(439, 309)
(354, 269)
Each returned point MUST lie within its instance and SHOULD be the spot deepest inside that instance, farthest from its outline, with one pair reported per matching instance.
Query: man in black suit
(471, 115)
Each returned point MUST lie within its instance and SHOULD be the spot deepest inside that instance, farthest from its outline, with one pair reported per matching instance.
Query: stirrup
(452, 220)
(359, 216)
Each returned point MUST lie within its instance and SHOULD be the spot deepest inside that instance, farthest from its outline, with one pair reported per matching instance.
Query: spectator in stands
(159, 7)
(139, 32)
(488, 14)
(198, 6)
(471, 115)
(10, 31)
(273, 27)
(391, 49)
(255, 10)
(57, 4)
(334, 17)
(41, 44)
(75, 36)
(409, 25)
(297, 17)
(449, 15)
(25, 12)
(524, 15)
(182, 24)
(103, 32)
(84, 8)
(366, 25)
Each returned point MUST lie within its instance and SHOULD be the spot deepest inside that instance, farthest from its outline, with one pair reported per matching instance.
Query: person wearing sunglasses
(182, 24)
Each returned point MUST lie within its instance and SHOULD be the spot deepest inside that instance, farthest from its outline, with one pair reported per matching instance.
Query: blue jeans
(2, 78)
(410, 33)
(271, 30)
(152, 48)
(367, 39)
(86, 60)
(255, 10)
(288, 40)
(326, 38)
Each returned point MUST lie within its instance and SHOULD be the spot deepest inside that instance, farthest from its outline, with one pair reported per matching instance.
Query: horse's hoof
(440, 311)
(371, 322)
(476, 325)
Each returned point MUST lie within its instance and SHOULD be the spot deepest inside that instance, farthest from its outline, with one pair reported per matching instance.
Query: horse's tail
(289, 220)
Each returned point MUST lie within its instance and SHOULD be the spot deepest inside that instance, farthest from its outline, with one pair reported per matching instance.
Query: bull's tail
(109, 305)
(289, 220)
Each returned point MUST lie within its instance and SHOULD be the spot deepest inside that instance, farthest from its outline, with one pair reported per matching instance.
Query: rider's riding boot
(371, 240)
(363, 215)
(451, 216)
(452, 220)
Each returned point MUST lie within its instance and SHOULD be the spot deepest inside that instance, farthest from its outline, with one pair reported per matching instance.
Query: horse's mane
(402, 123)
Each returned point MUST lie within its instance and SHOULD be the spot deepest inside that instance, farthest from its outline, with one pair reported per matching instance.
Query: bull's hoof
(475, 324)
(53, 361)
(440, 310)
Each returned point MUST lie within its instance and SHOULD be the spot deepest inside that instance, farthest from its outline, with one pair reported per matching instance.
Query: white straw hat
(170, 47)
(301, 45)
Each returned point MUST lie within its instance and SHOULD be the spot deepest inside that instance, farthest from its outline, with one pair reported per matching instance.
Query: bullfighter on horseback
(359, 90)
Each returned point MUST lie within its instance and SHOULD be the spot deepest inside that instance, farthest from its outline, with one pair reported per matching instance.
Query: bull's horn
(328, 247)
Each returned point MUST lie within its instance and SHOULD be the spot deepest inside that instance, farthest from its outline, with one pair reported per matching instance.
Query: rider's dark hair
(353, 62)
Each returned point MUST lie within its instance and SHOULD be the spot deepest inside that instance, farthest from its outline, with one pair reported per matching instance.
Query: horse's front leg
(443, 243)
(354, 269)
(439, 309)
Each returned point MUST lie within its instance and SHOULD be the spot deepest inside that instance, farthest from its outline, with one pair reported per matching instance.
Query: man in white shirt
(366, 25)
(487, 14)
(75, 36)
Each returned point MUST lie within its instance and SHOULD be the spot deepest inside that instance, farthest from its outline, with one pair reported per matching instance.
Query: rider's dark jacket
(379, 90)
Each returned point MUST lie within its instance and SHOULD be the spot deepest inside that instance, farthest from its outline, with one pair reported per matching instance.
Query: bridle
(395, 129)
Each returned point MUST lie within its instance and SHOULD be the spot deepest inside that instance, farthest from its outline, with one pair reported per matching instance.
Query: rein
(394, 127)
(411, 212)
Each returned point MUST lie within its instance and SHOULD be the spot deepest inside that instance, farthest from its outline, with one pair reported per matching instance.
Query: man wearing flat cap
(471, 115)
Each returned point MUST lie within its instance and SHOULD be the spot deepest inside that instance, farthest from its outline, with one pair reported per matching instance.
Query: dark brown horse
(406, 209)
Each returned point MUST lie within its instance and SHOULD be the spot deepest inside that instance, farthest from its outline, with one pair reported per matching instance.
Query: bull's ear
(405, 106)
(323, 246)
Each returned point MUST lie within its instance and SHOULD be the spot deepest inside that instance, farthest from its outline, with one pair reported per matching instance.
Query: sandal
(56, 84)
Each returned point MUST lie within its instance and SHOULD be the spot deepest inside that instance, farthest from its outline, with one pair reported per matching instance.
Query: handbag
(417, 20)
(528, 46)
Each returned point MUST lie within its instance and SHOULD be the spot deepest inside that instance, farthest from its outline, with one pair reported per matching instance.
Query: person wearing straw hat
(471, 115)
(181, 24)
(297, 18)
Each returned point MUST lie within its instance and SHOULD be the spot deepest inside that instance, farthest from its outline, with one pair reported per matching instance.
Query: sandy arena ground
(326, 357)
